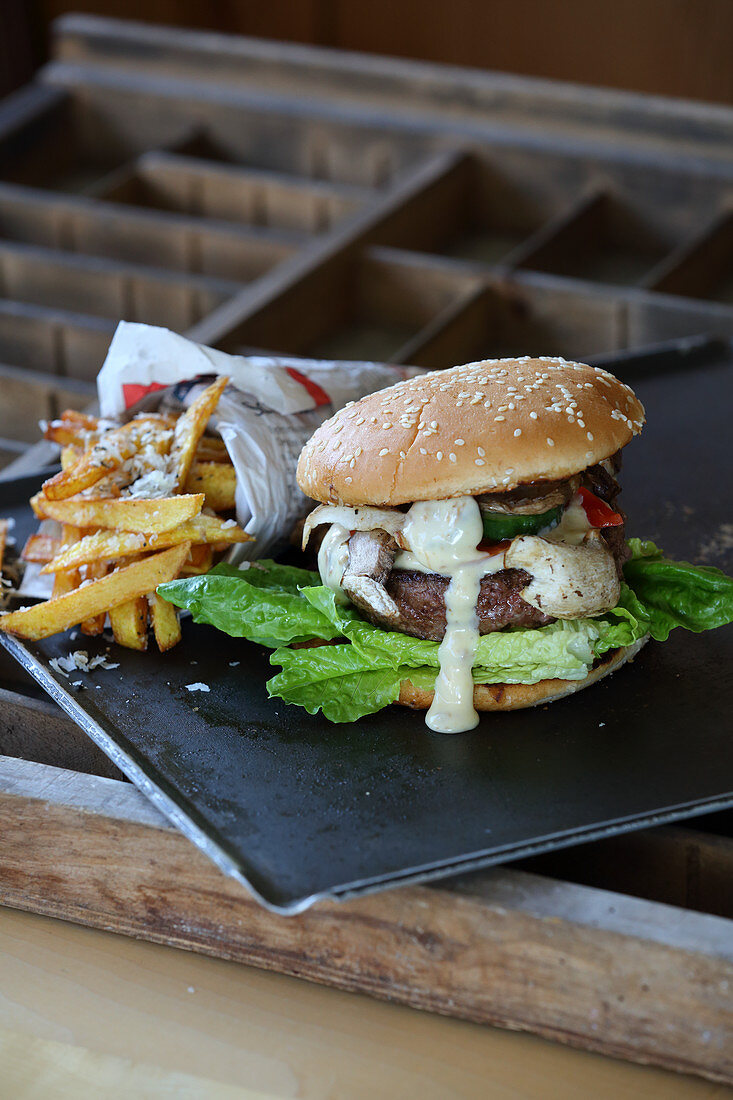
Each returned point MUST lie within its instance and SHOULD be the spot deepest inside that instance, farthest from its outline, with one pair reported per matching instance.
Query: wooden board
(587, 967)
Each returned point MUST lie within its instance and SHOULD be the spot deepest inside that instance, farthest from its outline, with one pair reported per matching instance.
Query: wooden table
(86, 1013)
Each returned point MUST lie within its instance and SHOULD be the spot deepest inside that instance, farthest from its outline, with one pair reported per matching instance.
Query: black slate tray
(298, 809)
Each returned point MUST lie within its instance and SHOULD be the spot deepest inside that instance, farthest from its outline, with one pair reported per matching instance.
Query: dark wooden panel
(667, 47)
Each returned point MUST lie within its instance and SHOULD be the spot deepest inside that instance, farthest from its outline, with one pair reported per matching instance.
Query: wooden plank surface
(86, 1013)
(585, 967)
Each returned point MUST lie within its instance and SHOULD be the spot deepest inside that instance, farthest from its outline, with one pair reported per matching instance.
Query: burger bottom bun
(516, 696)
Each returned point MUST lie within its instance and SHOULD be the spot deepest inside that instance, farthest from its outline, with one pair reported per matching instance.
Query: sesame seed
(479, 462)
(533, 415)
(517, 431)
(589, 437)
(359, 420)
(434, 424)
(349, 480)
(386, 425)
(550, 442)
(384, 451)
(358, 451)
(423, 451)
(481, 451)
(439, 455)
(403, 454)
(459, 442)
(499, 418)
(452, 457)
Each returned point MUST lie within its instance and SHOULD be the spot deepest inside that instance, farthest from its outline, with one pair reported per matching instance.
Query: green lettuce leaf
(261, 603)
(335, 679)
(676, 593)
(277, 605)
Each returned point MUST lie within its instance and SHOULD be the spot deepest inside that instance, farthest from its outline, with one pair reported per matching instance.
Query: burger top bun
(480, 428)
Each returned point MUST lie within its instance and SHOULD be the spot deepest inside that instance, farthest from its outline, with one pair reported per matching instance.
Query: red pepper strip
(491, 548)
(598, 512)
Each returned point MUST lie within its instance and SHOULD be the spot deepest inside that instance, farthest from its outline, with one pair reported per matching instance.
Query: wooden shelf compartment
(601, 238)
(106, 288)
(208, 189)
(53, 341)
(176, 242)
(29, 396)
(702, 267)
(367, 308)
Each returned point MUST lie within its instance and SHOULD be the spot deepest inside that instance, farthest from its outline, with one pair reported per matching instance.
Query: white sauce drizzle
(443, 536)
(333, 557)
(573, 526)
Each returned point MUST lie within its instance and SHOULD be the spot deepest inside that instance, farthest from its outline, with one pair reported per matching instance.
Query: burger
(471, 549)
(475, 500)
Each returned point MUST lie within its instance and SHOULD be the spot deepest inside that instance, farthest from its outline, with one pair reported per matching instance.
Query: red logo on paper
(132, 392)
(318, 394)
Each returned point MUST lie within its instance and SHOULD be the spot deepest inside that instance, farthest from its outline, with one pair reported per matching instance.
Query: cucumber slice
(499, 526)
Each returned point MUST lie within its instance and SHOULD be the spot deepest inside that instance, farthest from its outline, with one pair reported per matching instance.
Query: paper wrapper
(268, 412)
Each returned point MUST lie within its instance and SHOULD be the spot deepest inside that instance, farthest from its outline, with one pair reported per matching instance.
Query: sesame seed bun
(480, 428)
(517, 696)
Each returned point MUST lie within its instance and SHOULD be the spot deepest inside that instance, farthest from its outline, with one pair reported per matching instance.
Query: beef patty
(420, 598)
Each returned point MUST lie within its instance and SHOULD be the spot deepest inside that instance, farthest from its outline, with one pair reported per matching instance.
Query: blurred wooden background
(672, 47)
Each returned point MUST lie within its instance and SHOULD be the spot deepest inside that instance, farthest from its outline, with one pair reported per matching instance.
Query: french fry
(83, 420)
(124, 514)
(166, 627)
(190, 428)
(130, 623)
(94, 625)
(40, 548)
(4, 528)
(107, 454)
(216, 480)
(69, 579)
(111, 545)
(212, 449)
(199, 561)
(72, 428)
(70, 454)
(99, 596)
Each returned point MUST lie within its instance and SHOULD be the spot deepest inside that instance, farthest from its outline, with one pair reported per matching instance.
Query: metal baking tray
(298, 809)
